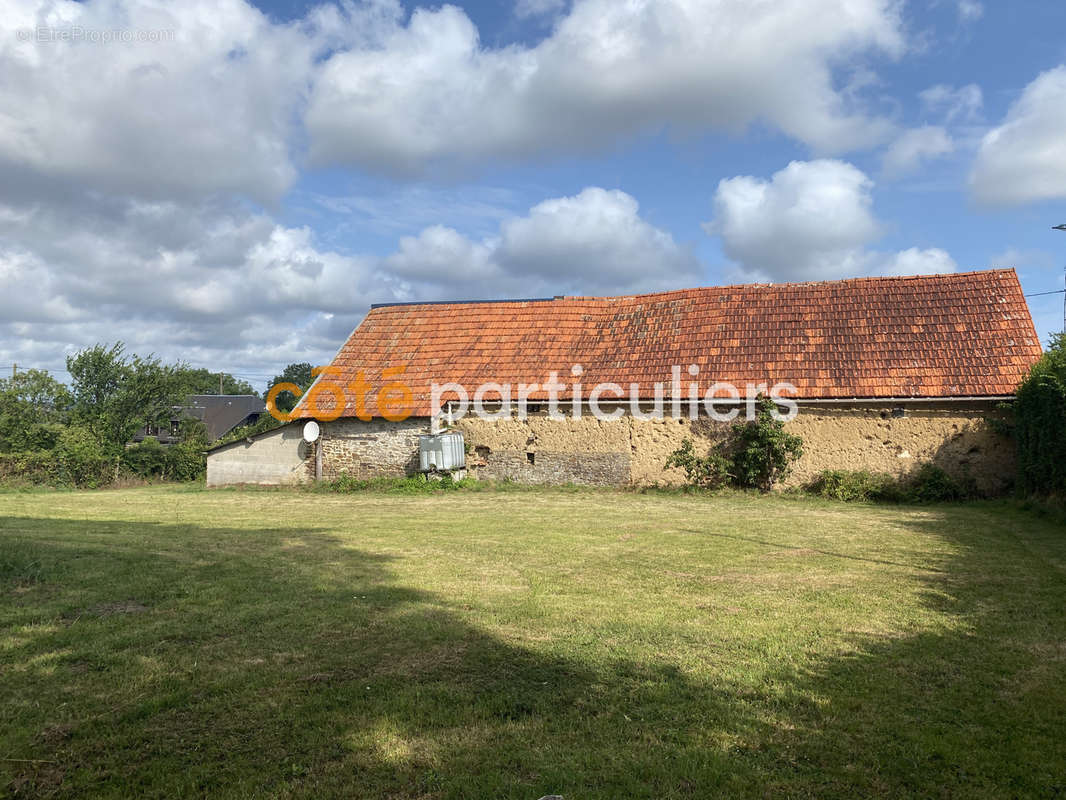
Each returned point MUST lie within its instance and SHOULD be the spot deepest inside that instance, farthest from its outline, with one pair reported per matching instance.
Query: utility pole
(14, 371)
(1062, 228)
(220, 383)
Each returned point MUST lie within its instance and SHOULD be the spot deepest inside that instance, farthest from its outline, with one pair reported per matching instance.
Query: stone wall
(369, 449)
(552, 466)
(878, 438)
(274, 458)
(873, 437)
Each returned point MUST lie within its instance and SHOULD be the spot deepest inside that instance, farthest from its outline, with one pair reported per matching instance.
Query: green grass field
(172, 642)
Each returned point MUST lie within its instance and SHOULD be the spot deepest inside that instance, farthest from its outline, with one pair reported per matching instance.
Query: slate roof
(221, 413)
(937, 336)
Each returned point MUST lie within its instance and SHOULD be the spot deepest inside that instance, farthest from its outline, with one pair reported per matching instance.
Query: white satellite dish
(311, 431)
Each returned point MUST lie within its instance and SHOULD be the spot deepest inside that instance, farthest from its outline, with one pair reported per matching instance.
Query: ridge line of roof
(465, 302)
(722, 287)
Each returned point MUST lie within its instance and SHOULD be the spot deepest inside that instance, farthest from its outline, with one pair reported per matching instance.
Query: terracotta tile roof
(963, 334)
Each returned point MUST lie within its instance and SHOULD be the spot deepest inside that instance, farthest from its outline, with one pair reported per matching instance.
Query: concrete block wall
(275, 458)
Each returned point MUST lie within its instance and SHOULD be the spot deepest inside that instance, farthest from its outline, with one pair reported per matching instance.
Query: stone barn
(885, 373)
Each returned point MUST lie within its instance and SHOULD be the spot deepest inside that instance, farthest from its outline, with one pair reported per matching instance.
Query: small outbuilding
(274, 458)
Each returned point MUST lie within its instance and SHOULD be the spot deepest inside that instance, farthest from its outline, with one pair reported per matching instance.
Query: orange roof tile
(963, 334)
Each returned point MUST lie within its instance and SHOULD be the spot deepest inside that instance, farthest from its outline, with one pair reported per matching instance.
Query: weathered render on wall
(627, 450)
(630, 451)
(274, 458)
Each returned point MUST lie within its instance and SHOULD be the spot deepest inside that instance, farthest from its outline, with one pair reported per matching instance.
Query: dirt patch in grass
(122, 607)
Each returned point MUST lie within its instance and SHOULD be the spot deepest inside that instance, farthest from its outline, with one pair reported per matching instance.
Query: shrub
(187, 460)
(146, 459)
(931, 484)
(762, 451)
(35, 467)
(755, 454)
(184, 461)
(80, 459)
(1040, 423)
(707, 472)
(928, 484)
(849, 486)
(77, 461)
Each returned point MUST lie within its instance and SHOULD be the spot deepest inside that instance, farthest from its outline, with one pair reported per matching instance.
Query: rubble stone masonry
(866, 436)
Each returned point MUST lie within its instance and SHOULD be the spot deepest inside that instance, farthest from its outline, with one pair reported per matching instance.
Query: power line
(1041, 294)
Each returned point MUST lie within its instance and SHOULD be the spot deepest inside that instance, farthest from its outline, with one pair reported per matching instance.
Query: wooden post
(318, 459)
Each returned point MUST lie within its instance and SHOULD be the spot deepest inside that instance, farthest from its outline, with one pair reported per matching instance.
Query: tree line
(82, 434)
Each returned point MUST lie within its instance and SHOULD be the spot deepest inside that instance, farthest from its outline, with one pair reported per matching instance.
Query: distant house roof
(937, 336)
(221, 413)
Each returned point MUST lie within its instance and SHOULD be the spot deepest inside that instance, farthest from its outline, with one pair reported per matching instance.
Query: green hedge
(80, 462)
(927, 484)
(179, 462)
(1040, 424)
(77, 460)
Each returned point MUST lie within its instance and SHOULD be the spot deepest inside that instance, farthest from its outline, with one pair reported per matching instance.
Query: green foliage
(115, 395)
(265, 423)
(80, 460)
(1040, 423)
(33, 467)
(755, 454)
(187, 460)
(1001, 421)
(201, 381)
(33, 408)
(849, 486)
(300, 374)
(762, 451)
(414, 484)
(931, 484)
(54, 436)
(928, 484)
(707, 472)
(145, 459)
(184, 461)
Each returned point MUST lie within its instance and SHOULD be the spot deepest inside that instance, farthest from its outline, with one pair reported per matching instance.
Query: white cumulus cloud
(205, 103)
(812, 220)
(594, 242)
(916, 146)
(962, 104)
(215, 283)
(429, 92)
(1024, 158)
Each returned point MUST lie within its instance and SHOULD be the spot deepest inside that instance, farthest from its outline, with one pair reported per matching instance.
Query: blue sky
(238, 190)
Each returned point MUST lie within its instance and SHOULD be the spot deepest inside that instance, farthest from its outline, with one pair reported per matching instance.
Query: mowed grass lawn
(172, 642)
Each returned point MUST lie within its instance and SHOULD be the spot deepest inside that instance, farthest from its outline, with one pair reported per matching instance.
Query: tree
(1040, 422)
(201, 381)
(300, 374)
(115, 394)
(33, 408)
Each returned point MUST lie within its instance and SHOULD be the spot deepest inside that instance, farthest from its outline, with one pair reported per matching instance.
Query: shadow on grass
(165, 661)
